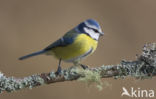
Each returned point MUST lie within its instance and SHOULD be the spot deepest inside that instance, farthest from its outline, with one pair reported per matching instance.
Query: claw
(84, 66)
(58, 72)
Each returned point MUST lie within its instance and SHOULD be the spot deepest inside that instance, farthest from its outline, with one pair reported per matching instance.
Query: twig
(143, 67)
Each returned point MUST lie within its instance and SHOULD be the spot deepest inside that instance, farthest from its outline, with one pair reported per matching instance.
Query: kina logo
(138, 92)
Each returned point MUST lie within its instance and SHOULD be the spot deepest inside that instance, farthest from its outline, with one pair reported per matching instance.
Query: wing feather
(64, 41)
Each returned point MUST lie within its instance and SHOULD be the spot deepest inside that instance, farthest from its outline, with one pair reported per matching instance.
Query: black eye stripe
(95, 30)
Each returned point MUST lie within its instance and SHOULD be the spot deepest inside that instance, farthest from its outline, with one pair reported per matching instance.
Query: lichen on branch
(143, 67)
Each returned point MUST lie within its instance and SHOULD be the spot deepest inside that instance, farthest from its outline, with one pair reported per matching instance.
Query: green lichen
(90, 77)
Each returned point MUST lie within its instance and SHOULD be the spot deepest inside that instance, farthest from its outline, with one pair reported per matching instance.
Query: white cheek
(92, 33)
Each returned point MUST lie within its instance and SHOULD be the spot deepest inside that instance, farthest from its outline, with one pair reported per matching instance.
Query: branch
(143, 67)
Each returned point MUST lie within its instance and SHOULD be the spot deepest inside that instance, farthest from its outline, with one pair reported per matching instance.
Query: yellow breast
(81, 45)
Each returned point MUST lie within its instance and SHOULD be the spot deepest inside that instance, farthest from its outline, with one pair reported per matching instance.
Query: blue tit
(75, 45)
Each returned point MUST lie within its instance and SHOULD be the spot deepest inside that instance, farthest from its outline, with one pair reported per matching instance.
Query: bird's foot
(84, 66)
(58, 72)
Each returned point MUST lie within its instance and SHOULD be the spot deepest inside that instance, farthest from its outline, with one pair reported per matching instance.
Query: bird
(75, 45)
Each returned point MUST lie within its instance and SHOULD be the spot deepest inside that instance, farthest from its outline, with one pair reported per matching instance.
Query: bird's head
(91, 28)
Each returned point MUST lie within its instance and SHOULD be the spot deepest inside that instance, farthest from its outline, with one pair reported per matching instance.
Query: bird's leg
(58, 72)
(84, 66)
(77, 63)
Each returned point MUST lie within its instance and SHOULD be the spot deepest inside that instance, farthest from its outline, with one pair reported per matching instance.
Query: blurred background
(30, 25)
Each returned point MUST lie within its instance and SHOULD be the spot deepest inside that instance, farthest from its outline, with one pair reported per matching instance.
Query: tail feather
(32, 54)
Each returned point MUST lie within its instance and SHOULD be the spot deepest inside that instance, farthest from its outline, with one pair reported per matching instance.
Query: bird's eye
(95, 30)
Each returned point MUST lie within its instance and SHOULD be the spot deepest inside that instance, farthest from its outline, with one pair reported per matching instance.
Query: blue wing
(67, 39)
(64, 41)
